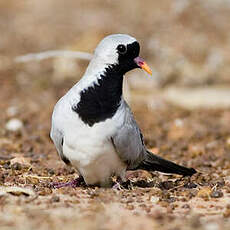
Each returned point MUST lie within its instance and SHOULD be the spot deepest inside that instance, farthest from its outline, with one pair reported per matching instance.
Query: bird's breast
(91, 151)
(100, 100)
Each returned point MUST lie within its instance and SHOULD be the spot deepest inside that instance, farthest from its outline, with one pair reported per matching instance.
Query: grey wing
(58, 140)
(128, 141)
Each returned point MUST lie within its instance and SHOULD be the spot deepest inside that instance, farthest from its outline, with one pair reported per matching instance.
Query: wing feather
(128, 141)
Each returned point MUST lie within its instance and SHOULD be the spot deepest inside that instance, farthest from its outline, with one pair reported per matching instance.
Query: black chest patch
(100, 101)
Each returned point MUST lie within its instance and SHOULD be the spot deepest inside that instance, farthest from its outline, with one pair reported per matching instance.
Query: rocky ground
(29, 163)
(194, 133)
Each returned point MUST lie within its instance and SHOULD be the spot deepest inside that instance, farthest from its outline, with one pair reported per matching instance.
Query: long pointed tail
(156, 163)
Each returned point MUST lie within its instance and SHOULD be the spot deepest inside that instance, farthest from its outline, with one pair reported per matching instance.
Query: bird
(93, 127)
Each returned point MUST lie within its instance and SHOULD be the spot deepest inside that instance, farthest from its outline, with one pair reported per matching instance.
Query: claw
(74, 183)
(117, 186)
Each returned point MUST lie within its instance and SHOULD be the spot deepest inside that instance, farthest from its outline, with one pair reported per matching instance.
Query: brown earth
(200, 138)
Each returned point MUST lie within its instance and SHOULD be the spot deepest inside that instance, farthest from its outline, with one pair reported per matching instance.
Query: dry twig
(53, 53)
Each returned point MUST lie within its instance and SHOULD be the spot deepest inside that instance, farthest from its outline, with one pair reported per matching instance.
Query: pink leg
(74, 183)
(118, 184)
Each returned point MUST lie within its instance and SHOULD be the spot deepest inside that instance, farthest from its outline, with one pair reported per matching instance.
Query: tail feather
(156, 163)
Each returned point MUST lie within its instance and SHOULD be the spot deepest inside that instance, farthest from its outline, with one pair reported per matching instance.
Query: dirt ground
(195, 54)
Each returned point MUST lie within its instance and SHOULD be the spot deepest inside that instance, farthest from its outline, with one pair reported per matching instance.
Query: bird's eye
(121, 49)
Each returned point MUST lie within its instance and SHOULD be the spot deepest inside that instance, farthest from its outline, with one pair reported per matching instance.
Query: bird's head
(121, 51)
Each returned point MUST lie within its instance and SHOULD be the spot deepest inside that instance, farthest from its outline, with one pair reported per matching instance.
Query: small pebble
(216, 194)
(130, 207)
(190, 185)
(16, 166)
(178, 122)
(154, 199)
(6, 165)
(55, 199)
(166, 185)
(51, 172)
(14, 125)
(186, 206)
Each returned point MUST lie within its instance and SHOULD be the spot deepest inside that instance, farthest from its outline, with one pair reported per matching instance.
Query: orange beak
(142, 64)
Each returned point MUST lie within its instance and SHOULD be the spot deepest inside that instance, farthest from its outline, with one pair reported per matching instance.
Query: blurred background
(183, 109)
(185, 42)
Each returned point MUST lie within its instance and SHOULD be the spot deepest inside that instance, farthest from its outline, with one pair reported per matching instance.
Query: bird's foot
(74, 183)
(117, 186)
